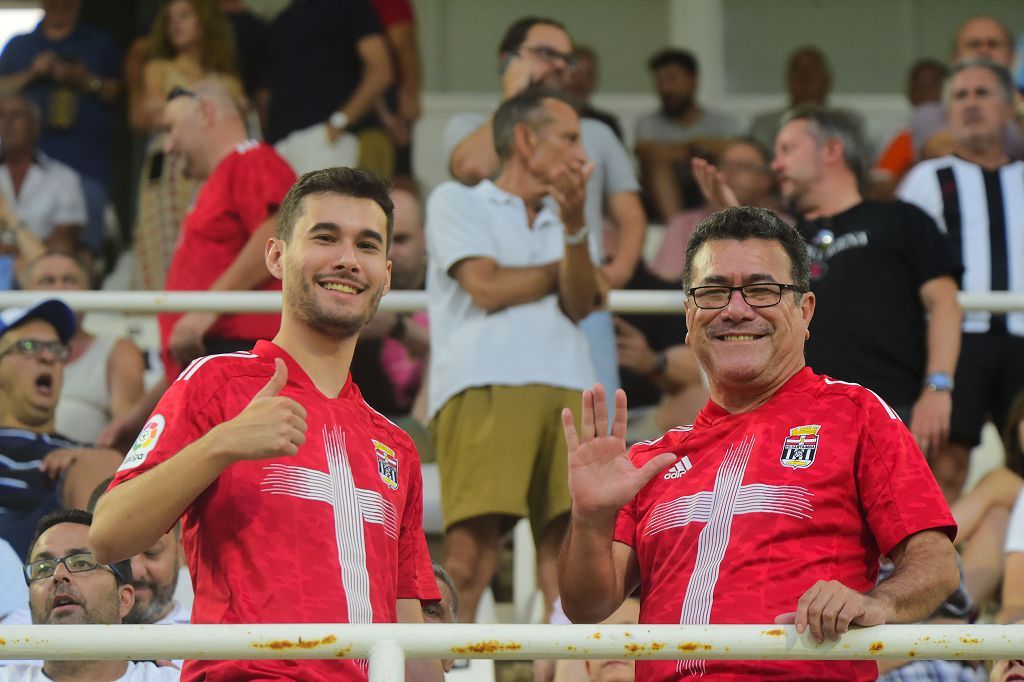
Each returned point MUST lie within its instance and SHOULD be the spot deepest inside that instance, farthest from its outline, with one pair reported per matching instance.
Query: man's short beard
(162, 596)
(334, 326)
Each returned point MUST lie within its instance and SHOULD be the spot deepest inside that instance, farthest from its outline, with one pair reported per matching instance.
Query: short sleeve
(898, 492)
(1015, 529)
(453, 227)
(929, 250)
(260, 186)
(415, 569)
(360, 19)
(898, 155)
(645, 128)
(920, 187)
(458, 128)
(184, 413)
(16, 55)
(618, 168)
(391, 12)
(625, 524)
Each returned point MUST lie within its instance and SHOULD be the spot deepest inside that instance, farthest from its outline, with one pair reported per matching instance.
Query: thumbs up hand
(270, 426)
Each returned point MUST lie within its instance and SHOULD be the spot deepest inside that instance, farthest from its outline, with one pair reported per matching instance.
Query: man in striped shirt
(975, 195)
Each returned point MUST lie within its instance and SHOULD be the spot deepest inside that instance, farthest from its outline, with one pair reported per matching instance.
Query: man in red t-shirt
(777, 503)
(300, 503)
(220, 247)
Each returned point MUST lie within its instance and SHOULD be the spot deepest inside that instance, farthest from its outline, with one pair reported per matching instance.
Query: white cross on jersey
(716, 508)
(352, 507)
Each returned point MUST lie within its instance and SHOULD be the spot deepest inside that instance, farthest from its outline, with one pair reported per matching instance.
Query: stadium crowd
(822, 374)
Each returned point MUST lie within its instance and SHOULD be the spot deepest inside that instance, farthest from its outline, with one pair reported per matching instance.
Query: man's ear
(125, 599)
(273, 255)
(525, 140)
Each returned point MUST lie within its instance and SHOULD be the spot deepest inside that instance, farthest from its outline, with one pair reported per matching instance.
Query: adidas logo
(679, 468)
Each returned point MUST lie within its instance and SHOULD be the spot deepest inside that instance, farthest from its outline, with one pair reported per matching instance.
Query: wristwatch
(578, 237)
(338, 120)
(939, 381)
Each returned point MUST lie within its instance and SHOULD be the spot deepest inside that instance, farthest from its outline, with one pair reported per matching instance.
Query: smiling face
(978, 111)
(67, 598)
(334, 268)
(746, 349)
(29, 384)
(155, 577)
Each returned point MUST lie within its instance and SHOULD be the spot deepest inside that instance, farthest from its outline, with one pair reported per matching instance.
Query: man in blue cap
(39, 470)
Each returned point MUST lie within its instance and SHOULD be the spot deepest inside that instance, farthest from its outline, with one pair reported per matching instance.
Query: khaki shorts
(501, 450)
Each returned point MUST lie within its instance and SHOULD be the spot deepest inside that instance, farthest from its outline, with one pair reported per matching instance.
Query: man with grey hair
(884, 277)
(974, 196)
(45, 194)
(509, 278)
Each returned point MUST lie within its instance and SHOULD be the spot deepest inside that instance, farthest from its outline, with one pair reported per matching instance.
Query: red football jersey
(331, 535)
(813, 485)
(244, 188)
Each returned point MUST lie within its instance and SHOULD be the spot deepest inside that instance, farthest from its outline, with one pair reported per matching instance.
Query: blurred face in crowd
(622, 670)
(56, 272)
(807, 78)
(978, 110)
(19, 129)
(186, 120)
(555, 144)
(676, 87)
(60, 13)
(334, 268)
(583, 80)
(740, 346)
(547, 54)
(183, 28)
(798, 165)
(155, 577)
(30, 378)
(926, 84)
(985, 38)
(67, 598)
(747, 174)
(408, 249)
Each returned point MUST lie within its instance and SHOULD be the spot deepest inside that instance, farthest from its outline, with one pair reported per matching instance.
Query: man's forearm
(943, 336)
(926, 573)
(506, 287)
(249, 269)
(130, 518)
(377, 76)
(474, 158)
(627, 212)
(577, 282)
(588, 582)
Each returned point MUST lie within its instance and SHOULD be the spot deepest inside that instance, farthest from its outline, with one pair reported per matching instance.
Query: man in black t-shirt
(884, 277)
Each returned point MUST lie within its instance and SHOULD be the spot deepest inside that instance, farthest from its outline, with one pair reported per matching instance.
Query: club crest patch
(145, 442)
(798, 450)
(387, 464)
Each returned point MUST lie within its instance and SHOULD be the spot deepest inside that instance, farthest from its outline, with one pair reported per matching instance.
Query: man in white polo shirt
(508, 279)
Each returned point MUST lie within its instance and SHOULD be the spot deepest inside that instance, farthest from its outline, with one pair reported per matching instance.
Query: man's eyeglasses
(33, 348)
(75, 563)
(550, 55)
(178, 91)
(762, 295)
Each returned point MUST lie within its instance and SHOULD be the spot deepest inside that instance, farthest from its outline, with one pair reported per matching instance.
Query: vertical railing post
(387, 662)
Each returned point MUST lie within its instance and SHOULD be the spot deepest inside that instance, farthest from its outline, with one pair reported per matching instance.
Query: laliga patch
(387, 464)
(145, 443)
(798, 450)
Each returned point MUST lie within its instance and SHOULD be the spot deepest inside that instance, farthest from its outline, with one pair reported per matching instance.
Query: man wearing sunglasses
(775, 505)
(39, 470)
(68, 586)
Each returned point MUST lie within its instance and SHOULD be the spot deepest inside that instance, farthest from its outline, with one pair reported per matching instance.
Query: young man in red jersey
(775, 505)
(300, 503)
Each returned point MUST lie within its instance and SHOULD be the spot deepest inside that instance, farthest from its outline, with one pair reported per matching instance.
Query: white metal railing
(387, 645)
(654, 301)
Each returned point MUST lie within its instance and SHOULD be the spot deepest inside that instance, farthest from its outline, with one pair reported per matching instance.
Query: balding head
(984, 37)
(203, 125)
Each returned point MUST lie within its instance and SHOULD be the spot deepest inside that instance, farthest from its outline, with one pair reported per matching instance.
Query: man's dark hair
(515, 34)
(926, 64)
(526, 107)
(669, 56)
(1003, 77)
(123, 569)
(349, 182)
(749, 222)
(826, 123)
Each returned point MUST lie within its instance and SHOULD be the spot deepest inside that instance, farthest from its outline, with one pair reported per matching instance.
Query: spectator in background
(320, 111)
(509, 277)
(538, 51)
(103, 374)
(667, 139)
(924, 86)
(71, 71)
(973, 195)
(44, 193)
(39, 471)
(808, 82)
(447, 609)
(190, 41)
(744, 165)
(13, 592)
(18, 245)
(603, 670)
(252, 48)
(68, 586)
(581, 85)
(400, 106)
